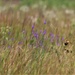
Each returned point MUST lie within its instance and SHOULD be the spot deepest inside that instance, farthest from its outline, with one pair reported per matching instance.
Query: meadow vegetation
(32, 42)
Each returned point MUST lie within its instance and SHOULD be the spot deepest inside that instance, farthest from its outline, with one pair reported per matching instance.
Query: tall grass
(35, 47)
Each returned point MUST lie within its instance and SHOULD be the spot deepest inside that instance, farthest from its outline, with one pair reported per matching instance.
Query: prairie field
(37, 37)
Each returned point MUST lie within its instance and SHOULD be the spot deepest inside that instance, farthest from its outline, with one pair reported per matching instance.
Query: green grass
(52, 3)
(60, 3)
(49, 3)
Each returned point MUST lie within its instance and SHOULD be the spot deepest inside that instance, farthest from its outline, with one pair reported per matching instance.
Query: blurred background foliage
(50, 3)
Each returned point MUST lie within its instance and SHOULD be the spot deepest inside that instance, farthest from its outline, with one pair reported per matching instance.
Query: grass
(49, 3)
(32, 43)
(35, 49)
(52, 3)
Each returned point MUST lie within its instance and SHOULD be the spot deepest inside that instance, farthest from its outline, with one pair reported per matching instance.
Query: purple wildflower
(44, 21)
(57, 38)
(9, 47)
(57, 41)
(51, 37)
(32, 27)
(35, 35)
(19, 43)
(12, 39)
(62, 38)
(44, 32)
(9, 33)
(58, 44)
